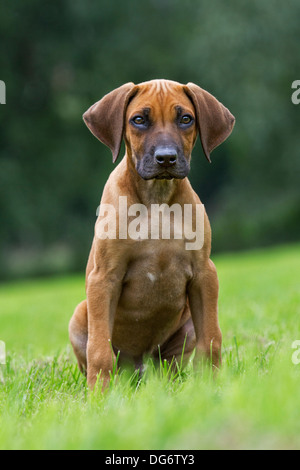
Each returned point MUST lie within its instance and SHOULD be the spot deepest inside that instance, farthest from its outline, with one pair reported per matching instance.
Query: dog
(145, 296)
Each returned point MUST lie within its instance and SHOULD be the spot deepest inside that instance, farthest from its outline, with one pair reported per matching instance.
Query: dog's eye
(138, 120)
(186, 119)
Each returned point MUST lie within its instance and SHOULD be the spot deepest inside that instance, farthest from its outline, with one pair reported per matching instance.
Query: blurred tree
(59, 57)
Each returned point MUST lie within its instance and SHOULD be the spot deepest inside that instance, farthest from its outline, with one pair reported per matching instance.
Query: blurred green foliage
(60, 56)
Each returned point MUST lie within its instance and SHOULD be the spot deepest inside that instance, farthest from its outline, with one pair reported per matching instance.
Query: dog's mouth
(165, 176)
(149, 171)
(162, 176)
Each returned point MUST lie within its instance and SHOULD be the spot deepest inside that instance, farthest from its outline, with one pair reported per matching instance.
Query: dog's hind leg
(180, 346)
(78, 332)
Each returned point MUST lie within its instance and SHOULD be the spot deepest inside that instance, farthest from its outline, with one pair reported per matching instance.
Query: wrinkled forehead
(160, 96)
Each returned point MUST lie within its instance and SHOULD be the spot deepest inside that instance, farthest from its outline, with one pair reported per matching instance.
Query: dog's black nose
(165, 156)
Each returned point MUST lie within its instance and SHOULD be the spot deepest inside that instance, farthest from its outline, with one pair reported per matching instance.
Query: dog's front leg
(102, 297)
(203, 299)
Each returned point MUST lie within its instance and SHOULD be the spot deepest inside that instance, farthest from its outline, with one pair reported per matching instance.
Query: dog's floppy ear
(215, 122)
(106, 118)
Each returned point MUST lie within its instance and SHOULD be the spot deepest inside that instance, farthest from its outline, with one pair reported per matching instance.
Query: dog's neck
(156, 191)
(152, 191)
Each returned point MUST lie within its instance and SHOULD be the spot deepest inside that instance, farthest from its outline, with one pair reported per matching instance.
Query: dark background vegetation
(58, 57)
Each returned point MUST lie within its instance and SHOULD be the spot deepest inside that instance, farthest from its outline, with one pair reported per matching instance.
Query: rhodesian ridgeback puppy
(150, 296)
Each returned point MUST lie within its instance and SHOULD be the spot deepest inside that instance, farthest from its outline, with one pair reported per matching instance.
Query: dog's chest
(156, 277)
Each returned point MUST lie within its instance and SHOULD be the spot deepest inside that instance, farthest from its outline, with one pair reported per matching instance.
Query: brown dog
(150, 296)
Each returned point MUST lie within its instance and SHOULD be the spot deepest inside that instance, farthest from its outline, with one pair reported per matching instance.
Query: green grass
(252, 403)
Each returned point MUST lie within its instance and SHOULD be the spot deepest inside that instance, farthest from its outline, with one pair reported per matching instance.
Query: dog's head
(159, 121)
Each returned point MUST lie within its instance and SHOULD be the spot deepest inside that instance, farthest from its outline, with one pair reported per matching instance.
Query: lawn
(252, 403)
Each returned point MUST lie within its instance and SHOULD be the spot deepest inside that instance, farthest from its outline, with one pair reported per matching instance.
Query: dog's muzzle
(166, 157)
(164, 162)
